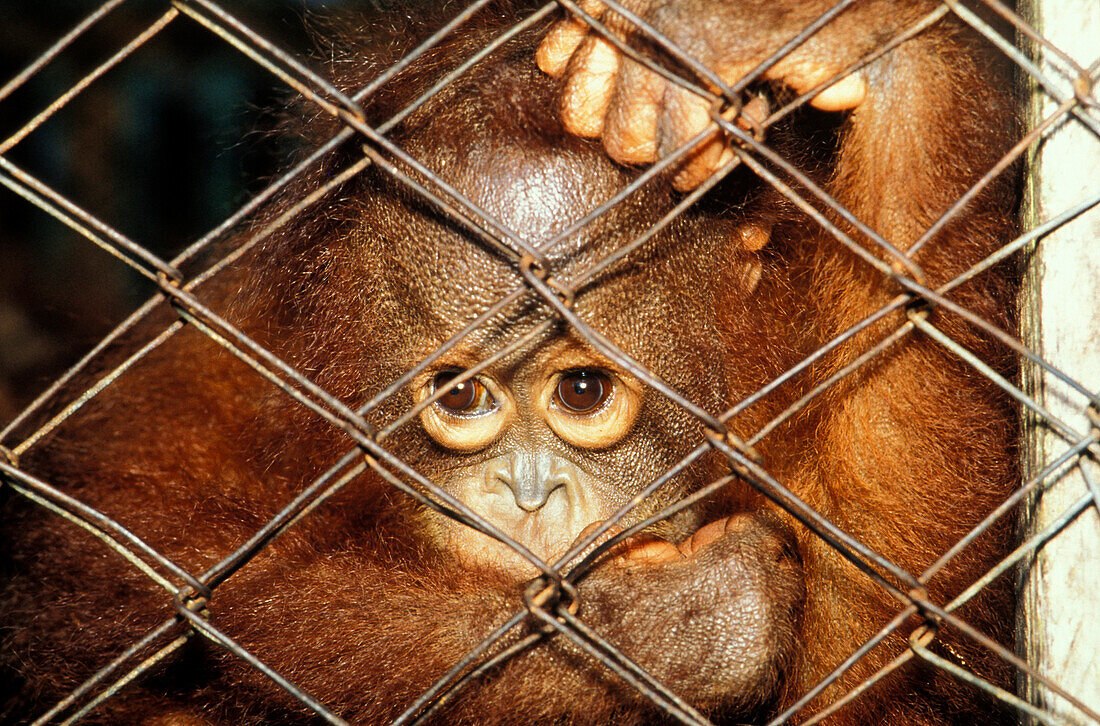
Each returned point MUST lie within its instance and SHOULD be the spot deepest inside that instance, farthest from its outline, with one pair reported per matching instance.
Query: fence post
(1059, 616)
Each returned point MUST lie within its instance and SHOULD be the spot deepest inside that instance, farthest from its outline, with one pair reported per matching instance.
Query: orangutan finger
(630, 132)
(589, 89)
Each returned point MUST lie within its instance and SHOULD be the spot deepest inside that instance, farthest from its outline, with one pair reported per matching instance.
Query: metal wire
(548, 610)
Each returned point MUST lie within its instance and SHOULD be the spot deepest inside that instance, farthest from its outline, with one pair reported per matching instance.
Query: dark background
(162, 148)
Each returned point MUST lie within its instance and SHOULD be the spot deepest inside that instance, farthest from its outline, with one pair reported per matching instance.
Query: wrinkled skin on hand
(733, 586)
(641, 116)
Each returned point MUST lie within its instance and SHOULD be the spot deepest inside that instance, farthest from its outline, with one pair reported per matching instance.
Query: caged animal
(731, 602)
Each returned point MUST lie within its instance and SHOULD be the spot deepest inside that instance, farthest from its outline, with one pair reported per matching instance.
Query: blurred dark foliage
(162, 148)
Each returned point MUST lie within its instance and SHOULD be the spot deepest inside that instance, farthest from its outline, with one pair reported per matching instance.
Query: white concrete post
(1060, 321)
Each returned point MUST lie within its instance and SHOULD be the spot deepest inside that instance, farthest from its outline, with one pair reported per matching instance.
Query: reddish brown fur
(193, 451)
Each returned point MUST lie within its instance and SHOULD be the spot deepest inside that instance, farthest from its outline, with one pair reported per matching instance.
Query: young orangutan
(732, 603)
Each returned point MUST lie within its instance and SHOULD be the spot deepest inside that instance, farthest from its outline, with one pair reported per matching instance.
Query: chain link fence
(1042, 366)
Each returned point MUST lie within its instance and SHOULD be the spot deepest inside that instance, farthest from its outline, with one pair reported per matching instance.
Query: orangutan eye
(583, 391)
(468, 398)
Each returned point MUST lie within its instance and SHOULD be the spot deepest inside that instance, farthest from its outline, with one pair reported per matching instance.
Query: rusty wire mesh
(194, 594)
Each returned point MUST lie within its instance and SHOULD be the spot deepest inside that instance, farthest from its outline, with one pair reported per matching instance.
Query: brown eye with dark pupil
(583, 391)
(461, 397)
